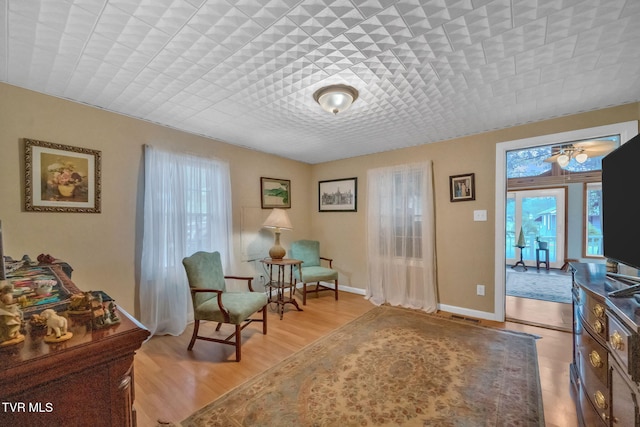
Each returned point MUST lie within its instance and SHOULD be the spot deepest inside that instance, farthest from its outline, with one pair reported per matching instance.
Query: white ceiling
(244, 71)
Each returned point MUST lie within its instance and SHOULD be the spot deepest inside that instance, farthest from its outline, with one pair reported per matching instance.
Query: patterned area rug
(391, 367)
(546, 287)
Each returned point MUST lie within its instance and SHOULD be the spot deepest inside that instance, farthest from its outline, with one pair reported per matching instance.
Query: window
(187, 208)
(408, 217)
(593, 220)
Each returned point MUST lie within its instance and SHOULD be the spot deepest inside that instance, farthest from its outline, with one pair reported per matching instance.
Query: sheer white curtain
(187, 208)
(401, 236)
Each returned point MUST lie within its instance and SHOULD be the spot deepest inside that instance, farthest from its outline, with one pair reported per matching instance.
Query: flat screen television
(621, 203)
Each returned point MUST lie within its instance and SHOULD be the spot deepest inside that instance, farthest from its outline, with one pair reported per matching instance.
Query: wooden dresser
(87, 380)
(605, 371)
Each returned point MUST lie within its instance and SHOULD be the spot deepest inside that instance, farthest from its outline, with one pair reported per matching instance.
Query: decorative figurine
(10, 317)
(55, 324)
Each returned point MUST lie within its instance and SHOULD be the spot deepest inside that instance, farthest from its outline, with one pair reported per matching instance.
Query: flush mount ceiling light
(336, 98)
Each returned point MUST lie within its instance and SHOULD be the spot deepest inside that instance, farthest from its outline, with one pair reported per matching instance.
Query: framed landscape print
(61, 178)
(338, 195)
(275, 193)
(462, 187)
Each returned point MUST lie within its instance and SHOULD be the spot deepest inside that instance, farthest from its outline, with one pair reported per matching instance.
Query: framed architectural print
(338, 195)
(275, 193)
(61, 178)
(462, 187)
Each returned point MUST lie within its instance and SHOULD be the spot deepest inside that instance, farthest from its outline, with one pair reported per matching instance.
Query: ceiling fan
(581, 151)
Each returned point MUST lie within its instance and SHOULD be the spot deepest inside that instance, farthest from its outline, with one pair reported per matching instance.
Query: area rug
(393, 367)
(546, 287)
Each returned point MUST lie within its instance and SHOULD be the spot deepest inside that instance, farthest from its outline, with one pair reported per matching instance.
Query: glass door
(540, 214)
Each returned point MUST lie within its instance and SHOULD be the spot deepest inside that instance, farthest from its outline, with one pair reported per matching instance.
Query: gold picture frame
(61, 178)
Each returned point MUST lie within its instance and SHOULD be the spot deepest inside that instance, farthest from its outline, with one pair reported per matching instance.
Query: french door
(539, 214)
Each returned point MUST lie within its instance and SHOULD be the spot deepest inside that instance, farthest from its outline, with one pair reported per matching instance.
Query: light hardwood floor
(171, 382)
(544, 313)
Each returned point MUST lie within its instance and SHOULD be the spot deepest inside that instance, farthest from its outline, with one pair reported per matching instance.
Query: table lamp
(278, 220)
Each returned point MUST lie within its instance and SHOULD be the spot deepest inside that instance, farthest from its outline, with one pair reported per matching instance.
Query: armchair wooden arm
(328, 259)
(248, 279)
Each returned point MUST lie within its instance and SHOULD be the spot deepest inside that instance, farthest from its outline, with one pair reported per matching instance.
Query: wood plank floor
(171, 382)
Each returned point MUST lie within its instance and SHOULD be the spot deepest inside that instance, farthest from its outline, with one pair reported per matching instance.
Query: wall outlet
(480, 290)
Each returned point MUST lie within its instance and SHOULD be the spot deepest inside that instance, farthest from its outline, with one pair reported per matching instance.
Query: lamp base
(277, 252)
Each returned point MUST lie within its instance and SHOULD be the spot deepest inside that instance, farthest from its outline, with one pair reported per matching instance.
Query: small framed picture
(275, 193)
(338, 195)
(61, 178)
(462, 187)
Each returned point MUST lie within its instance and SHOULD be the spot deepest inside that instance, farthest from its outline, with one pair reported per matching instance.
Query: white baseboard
(467, 312)
(444, 307)
(349, 289)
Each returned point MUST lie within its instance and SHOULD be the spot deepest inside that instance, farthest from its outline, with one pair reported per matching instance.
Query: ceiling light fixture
(581, 157)
(336, 98)
(563, 160)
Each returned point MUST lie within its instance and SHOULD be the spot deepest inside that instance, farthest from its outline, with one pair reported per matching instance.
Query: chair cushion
(316, 274)
(241, 305)
(307, 251)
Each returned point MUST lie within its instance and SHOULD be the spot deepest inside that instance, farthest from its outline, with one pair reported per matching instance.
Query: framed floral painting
(61, 178)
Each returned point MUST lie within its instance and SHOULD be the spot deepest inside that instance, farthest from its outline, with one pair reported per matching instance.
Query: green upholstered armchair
(308, 251)
(211, 301)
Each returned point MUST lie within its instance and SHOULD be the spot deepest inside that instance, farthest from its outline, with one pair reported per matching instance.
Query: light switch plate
(480, 215)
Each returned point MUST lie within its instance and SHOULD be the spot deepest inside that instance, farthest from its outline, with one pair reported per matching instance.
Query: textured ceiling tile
(546, 55)
(379, 33)
(264, 12)
(426, 70)
(372, 7)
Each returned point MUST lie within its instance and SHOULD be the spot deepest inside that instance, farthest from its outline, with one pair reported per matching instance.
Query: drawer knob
(595, 359)
(598, 326)
(598, 310)
(617, 341)
(600, 400)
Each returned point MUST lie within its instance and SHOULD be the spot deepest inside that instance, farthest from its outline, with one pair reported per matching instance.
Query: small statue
(10, 317)
(113, 317)
(55, 324)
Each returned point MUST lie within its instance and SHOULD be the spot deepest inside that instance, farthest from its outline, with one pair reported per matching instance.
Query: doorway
(625, 130)
(540, 216)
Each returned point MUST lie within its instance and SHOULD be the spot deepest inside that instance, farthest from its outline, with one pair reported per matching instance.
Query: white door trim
(626, 130)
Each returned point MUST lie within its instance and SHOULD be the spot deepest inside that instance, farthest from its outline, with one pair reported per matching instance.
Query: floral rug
(391, 367)
(541, 286)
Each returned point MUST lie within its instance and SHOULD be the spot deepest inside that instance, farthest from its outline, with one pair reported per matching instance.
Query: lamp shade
(336, 98)
(278, 218)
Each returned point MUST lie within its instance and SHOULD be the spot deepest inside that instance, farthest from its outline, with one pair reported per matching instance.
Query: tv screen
(621, 203)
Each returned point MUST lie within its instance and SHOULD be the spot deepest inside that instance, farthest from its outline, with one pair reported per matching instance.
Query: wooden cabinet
(87, 380)
(606, 362)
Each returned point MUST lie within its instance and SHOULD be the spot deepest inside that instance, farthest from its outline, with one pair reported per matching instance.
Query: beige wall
(465, 249)
(104, 248)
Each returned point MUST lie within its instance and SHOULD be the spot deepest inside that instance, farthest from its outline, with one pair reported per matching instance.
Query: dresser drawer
(590, 416)
(593, 313)
(593, 361)
(624, 345)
